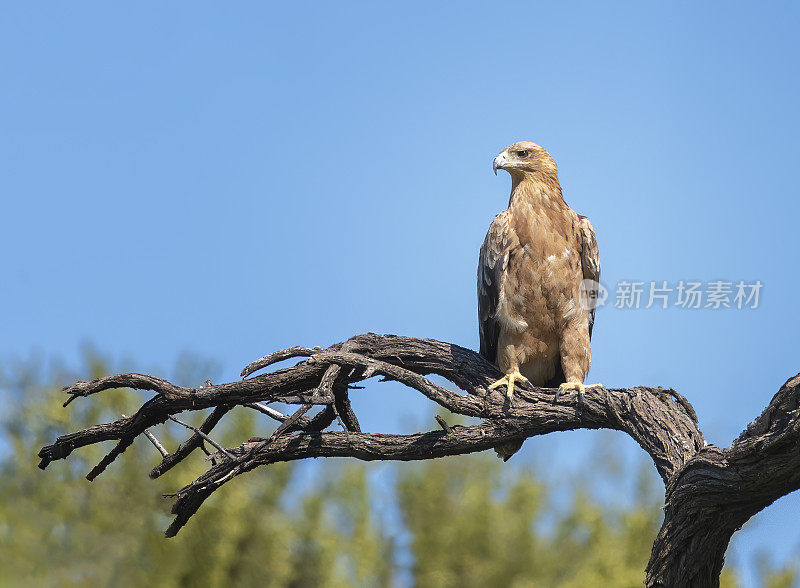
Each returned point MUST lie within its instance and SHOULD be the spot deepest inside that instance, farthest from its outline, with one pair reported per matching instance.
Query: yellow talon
(579, 386)
(509, 379)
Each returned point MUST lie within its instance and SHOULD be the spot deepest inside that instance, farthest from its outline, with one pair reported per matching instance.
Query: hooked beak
(499, 163)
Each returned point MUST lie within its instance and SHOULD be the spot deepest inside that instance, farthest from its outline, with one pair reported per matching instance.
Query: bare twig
(156, 443)
(161, 449)
(285, 425)
(267, 410)
(197, 431)
(194, 442)
(276, 357)
(138, 381)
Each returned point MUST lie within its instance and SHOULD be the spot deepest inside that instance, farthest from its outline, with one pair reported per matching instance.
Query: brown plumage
(533, 322)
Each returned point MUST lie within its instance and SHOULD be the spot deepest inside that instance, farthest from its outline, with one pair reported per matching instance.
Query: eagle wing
(590, 257)
(500, 240)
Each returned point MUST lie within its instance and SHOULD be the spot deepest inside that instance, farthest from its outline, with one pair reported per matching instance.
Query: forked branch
(710, 492)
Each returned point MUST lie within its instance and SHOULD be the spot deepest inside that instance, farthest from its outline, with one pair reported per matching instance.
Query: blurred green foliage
(465, 521)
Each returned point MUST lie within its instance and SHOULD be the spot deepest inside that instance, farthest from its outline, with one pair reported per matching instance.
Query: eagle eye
(523, 153)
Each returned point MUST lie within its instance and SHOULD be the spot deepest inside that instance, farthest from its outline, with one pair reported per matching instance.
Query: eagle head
(523, 158)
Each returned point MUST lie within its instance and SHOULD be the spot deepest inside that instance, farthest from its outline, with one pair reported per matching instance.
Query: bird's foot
(580, 387)
(509, 380)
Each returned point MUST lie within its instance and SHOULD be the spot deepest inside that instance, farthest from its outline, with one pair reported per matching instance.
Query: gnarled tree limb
(710, 492)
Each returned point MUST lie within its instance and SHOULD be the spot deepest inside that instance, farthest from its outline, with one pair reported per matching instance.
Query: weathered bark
(710, 492)
(718, 490)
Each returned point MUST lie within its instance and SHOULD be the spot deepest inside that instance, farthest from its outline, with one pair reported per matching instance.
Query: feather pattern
(590, 258)
(492, 266)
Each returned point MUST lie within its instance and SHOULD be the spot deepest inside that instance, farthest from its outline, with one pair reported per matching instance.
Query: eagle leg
(579, 386)
(509, 379)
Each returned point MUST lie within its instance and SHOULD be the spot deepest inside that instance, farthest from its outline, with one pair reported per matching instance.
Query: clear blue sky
(232, 179)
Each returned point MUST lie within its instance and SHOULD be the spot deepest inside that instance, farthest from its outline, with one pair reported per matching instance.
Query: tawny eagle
(534, 310)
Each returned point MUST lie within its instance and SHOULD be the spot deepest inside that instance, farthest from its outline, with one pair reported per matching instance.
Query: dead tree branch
(710, 492)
